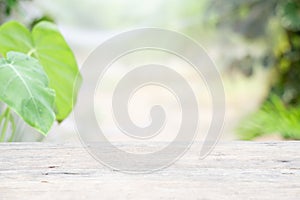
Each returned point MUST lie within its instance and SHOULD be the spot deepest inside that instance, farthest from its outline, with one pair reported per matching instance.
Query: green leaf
(46, 44)
(24, 88)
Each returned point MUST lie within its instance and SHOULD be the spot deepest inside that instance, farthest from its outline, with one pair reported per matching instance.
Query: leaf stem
(32, 51)
(5, 125)
(13, 128)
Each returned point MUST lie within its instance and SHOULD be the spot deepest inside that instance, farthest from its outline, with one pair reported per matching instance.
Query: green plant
(272, 117)
(277, 24)
(39, 77)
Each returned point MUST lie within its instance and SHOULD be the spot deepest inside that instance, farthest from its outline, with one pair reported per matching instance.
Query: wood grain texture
(234, 170)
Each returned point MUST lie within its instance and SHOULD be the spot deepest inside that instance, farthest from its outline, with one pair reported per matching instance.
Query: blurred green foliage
(10, 8)
(6, 7)
(180, 15)
(278, 23)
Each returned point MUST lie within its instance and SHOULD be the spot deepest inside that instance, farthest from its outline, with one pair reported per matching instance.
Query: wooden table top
(234, 170)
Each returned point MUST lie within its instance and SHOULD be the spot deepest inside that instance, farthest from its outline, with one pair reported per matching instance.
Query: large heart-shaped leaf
(46, 44)
(24, 88)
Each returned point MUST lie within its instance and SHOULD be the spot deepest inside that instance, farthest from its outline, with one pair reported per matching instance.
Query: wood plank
(234, 170)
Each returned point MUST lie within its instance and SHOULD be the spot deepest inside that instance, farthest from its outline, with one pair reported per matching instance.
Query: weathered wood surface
(234, 170)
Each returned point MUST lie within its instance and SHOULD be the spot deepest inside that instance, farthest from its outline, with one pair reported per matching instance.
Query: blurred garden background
(254, 43)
